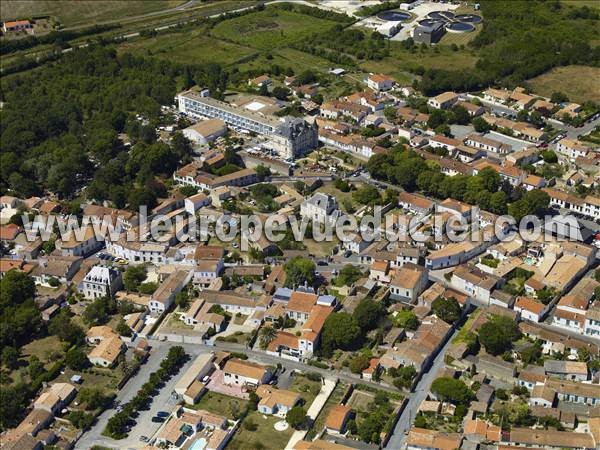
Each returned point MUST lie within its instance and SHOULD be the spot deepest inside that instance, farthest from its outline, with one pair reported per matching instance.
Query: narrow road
(407, 417)
(262, 357)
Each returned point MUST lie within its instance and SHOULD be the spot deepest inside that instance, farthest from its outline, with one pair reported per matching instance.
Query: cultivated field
(80, 12)
(580, 83)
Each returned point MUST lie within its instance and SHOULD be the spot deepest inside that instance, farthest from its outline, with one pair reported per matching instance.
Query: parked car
(322, 263)
(144, 438)
(157, 419)
(347, 254)
(163, 414)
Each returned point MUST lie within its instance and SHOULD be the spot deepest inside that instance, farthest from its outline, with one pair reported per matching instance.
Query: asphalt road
(415, 398)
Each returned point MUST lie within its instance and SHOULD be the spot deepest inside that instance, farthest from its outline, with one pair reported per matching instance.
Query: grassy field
(580, 83)
(580, 3)
(440, 57)
(79, 12)
(42, 348)
(270, 29)
(264, 437)
(189, 45)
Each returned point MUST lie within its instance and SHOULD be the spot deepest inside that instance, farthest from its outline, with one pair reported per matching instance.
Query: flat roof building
(290, 136)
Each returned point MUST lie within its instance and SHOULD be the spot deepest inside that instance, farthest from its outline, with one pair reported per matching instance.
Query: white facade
(100, 282)
(320, 209)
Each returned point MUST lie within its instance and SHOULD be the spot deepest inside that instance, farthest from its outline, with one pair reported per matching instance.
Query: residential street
(407, 417)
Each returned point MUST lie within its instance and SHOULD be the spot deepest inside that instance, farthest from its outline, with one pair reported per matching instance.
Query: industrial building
(429, 34)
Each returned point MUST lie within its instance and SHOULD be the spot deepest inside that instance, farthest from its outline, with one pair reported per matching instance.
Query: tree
(446, 309)
(10, 357)
(480, 125)
(559, 97)
(451, 390)
(65, 329)
(299, 271)
(266, 335)
(81, 419)
(133, 277)
(35, 367)
(406, 319)
(182, 299)
(98, 312)
(76, 359)
(404, 376)
(367, 314)
(461, 115)
(340, 330)
(498, 334)
(359, 363)
(93, 398)
(367, 194)
(281, 92)
(348, 275)
(15, 288)
(123, 329)
(549, 156)
(296, 417)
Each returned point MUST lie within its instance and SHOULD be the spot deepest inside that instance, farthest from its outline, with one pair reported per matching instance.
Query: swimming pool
(199, 444)
(529, 261)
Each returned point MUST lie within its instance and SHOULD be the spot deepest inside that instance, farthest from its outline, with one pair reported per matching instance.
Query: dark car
(322, 263)
(347, 254)
(163, 414)
(158, 419)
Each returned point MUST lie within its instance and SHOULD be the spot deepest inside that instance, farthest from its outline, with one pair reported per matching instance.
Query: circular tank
(427, 22)
(441, 15)
(393, 16)
(468, 18)
(459, 27)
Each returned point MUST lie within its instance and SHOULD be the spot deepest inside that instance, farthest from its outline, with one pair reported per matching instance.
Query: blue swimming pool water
(199, 444)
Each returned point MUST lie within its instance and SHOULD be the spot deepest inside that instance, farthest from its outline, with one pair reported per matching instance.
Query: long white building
(290, 136)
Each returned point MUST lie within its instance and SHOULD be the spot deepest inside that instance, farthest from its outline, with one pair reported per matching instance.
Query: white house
(443, 101)
(408, 283)
(275, 401)
(530, 309)
(195, 202)
(100, 281)
(164, 296)
(245, 373)
(379, 82)
(320, 208)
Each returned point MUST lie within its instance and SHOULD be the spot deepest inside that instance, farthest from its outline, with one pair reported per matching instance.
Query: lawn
(42, 348)
(308, 389)
(270, 29)
(264, 437)
(220, 404)
(95, 377)
(82, 12)
(191, 44)
(580, 83)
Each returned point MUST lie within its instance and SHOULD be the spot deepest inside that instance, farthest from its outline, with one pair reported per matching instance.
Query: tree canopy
(498, 334)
